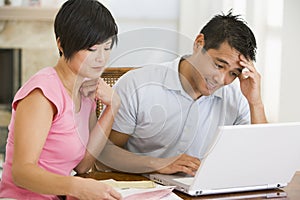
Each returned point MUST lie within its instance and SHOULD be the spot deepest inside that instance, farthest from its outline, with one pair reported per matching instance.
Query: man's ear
(199, 42)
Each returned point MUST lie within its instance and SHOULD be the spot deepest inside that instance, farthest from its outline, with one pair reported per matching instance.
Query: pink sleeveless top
(66, 141)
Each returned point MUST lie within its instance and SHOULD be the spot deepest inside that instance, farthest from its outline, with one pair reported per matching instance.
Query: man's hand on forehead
(245, 72)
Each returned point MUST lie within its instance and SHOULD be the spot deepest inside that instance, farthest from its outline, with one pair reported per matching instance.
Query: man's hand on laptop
(182, 163)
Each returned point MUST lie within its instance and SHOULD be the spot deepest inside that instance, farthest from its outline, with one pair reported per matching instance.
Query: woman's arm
(33, 119)
(100, 132)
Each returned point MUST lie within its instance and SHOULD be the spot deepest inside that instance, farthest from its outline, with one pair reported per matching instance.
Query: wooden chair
(110, 76)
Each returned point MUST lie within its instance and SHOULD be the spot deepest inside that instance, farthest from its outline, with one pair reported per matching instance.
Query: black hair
(80, 24)
(230, 28)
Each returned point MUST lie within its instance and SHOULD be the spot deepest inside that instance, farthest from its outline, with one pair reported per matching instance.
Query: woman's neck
(70, 80)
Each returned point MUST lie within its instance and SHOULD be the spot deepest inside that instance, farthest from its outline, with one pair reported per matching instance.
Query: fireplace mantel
(30, 29)
(27, 13)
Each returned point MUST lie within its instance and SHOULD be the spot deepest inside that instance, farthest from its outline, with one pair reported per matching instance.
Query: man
(172, 110)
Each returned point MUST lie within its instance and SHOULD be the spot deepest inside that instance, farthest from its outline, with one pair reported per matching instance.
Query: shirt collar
(219, 92)
(172, 81)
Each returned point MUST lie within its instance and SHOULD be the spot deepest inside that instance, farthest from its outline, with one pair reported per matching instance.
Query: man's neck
(186, 79)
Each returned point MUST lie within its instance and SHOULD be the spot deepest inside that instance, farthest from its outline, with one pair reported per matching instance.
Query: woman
(54, 129)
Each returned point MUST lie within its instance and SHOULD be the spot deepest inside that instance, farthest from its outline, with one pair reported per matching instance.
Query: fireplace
(10, 81)
(10, 76)
(27, 44)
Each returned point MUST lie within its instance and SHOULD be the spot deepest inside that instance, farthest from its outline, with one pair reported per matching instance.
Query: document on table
(132, 190)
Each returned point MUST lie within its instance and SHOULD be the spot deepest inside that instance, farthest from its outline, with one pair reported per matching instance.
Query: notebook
(244, 158)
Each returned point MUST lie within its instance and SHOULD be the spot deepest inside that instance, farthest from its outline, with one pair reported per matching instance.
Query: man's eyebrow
(221, 60)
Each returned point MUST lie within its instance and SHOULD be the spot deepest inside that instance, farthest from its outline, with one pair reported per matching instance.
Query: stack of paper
(132, 190)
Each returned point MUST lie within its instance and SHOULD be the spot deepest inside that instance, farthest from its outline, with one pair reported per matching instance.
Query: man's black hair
(230, 28)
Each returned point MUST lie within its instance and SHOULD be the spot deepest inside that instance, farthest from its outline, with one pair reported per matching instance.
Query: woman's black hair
(80, 24)
(230, 28)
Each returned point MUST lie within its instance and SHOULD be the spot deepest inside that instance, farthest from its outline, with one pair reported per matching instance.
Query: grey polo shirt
(163, 120)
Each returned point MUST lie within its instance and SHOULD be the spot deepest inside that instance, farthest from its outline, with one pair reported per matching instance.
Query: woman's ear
(199, 43)
(58, 43)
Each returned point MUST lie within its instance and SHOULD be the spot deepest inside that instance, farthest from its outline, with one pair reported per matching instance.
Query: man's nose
(227, 79)
(222, 78)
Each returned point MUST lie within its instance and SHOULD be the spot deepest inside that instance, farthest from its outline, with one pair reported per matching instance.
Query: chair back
(110, 76)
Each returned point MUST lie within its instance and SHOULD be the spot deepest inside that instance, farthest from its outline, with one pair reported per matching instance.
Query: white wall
(290, 73)
(180, 21)
(275, 25)
(147, 31)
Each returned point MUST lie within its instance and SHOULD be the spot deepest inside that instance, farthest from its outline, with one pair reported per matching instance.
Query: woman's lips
(98, 68)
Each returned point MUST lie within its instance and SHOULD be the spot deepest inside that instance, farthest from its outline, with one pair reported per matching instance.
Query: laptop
(243, 158)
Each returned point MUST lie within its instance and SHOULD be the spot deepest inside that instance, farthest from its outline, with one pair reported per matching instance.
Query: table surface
(291, 192)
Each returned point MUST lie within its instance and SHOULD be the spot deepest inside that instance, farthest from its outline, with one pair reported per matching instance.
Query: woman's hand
(106, 94)
(88, 88)
(100, 90)
(86, 188)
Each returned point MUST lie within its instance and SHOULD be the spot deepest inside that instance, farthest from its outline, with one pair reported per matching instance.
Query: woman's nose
(100, 56)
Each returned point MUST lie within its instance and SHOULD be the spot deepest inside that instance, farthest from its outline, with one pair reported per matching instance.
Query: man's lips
(211, 86)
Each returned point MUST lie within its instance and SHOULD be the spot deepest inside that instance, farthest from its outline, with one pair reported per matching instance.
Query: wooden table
(291, 192)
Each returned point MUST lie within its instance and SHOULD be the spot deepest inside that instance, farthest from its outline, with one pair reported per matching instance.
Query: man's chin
(209, 92)
(206, 93)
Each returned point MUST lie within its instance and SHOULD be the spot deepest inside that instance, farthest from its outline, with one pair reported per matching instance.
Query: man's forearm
(258, 115)
(119, 159)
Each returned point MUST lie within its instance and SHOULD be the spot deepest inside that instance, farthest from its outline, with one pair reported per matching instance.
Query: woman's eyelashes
(106, 47)
(92, 49)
